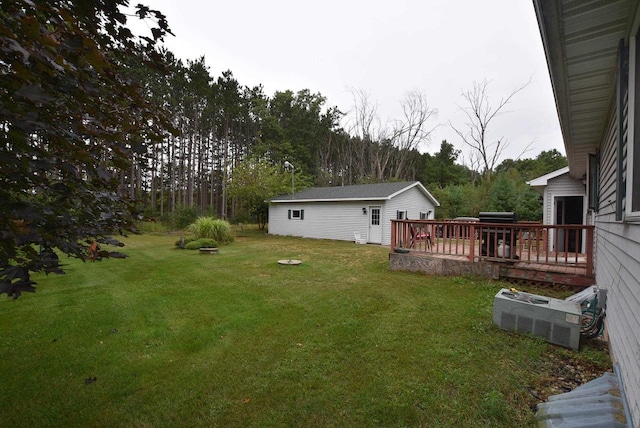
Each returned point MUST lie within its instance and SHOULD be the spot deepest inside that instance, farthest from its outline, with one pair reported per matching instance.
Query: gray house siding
(607, 192)
(618, 271)
(594, 63)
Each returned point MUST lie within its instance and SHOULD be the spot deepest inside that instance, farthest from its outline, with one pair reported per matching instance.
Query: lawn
(171, 337)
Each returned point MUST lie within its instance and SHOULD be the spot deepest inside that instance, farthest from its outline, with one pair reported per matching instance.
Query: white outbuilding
(361, 212)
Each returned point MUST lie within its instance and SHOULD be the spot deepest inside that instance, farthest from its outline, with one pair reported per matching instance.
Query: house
(341, 212)
(564, 201)
(593, 54)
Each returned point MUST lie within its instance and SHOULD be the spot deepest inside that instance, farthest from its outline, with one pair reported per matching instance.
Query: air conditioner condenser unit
(557, 321)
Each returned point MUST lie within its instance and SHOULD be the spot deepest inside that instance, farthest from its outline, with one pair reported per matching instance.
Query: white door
(375, 225)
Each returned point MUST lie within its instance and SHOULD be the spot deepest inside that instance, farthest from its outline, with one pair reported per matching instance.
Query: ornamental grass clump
(208, 227)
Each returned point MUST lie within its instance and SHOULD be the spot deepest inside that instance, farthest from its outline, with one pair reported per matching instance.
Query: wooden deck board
(548, 274)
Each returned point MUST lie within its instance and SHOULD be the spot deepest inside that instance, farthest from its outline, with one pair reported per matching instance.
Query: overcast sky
(384, 49)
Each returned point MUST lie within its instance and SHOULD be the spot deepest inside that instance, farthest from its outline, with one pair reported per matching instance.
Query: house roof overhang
(543, 180)
(581, 41)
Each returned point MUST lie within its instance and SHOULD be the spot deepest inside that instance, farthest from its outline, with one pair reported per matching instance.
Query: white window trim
(629, 215)
(426, 215)
(402, 215)
(291, 216)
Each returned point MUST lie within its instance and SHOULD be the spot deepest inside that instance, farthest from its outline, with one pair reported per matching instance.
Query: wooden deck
(527, 273)
(517, 273)
(544, 255)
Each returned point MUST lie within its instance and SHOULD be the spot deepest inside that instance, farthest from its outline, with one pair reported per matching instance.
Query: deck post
(589, 249)
(393, 235)
(472, 243)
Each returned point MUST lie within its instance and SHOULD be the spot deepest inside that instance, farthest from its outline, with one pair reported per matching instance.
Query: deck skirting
(445, 265)
(442, 265)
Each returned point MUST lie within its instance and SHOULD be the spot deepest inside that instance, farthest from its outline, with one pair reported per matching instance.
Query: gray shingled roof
(378, 191)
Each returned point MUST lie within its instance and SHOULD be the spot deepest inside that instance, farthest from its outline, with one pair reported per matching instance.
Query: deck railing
(533, 243)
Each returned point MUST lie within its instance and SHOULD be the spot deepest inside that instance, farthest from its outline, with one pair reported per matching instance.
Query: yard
(171, 337)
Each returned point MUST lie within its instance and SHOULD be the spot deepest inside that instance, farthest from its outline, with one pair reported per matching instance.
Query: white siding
(323, 220)
(618, 271)
(412, 201)
(563, 185)
(339, 220)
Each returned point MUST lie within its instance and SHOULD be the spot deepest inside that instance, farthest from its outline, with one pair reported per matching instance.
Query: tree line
(222, 124)
(228, 131)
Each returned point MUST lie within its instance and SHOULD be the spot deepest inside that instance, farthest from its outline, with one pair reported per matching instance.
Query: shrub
(208, 227)
(182, 242)
(201, 243)
(180, 219)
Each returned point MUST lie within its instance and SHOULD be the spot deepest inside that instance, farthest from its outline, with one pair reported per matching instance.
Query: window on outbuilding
(296, 214)
(401, 215)
(375, 216)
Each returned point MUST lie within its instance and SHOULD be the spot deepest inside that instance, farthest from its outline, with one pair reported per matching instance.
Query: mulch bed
(565, 371)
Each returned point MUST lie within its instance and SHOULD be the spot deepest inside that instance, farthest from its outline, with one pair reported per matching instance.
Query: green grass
(176, 338)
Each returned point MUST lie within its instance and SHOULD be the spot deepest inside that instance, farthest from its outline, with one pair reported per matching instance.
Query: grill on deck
(499, 241)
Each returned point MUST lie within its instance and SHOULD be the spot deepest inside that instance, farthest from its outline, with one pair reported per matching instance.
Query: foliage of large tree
(441, 169)
(506, 191)
(503, 194)
(70, 123)
(547, 161)
(254, 182)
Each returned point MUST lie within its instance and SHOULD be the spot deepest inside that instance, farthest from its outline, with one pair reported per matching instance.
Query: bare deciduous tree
(413, 130)
(374, 135)
(366, 123)
(389, 145)
(480, 114)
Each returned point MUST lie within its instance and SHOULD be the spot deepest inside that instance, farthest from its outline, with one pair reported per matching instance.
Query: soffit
(581, 44)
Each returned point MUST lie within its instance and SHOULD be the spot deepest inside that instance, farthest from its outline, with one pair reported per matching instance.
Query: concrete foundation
(442, 265)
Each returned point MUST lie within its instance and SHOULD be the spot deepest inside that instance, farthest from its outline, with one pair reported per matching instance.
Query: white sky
(384, 49)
